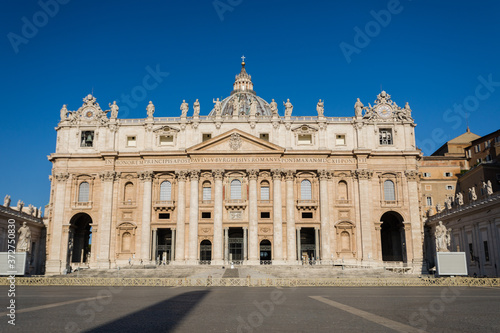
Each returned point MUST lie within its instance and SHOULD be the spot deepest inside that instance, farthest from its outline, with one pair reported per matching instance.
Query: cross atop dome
(242, 59)
(243, 81)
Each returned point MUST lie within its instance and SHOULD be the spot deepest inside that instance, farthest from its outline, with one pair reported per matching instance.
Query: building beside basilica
(242, 183)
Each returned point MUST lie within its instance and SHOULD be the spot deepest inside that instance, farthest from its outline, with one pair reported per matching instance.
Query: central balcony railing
(164, 205)
(235, 204)
(307, 204)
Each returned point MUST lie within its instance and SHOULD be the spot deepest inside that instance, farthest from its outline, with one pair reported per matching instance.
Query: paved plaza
(243, 309)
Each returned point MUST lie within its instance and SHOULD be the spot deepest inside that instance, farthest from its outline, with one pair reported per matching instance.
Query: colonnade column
(365, 201)
(277, 223)
(193, 217)
(172, 246)
(299, 246)
(415, 222)
(325, 216)
(218, 176)
(245, 242)
(253, 253)
(155, 244)
(316, 245)
(226, 244)
(57, 250)
(290, 219)
(146, 177)
(181, 215)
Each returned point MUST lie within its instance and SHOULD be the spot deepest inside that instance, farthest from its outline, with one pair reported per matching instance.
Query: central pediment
(235, 142)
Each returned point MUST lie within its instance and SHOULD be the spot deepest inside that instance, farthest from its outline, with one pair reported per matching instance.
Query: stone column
(299, 245)
(325, 215)
(226, 244)
(277, 223)
(181, 216)
(107, 180)
(155, 244)
(290, 219)
(147, 178)
(365, 201)
(316, 245)
(193, 218)
(245, 242)
(218, 211)
(172, 247)
(415, 222)
(253, 227)
(58, 248)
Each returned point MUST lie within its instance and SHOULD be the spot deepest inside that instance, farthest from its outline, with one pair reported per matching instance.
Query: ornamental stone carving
(276, 174)
(253, 173)
(323, 174)
(181, 175)
(472, 192)
(412, 174)
(109, 176)
(146, 176)
(6, 201)
(460, 199)
(488, 187)
(289, 174)
(363, 174)
(218, 174)
(194, 174)
(443, 237)
(235, 141)
(61, 177)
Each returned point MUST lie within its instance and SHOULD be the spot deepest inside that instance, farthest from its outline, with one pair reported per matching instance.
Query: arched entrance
(205, 251)
(392, 236)
(265, 252)
(79, 238)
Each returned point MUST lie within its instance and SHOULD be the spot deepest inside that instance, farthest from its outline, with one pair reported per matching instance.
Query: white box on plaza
(451, 263)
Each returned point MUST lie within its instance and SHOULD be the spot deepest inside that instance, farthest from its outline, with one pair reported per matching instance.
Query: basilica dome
(242, 97)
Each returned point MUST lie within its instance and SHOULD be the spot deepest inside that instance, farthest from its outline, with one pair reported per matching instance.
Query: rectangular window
(264, 136)
(448, 174)
(385, 136)
(449, 187)
(427, 174)
(87, 139)
(477, 148)
(206, 136)
(265, 215)
(478, 161)
(497, 139)
(305, 139)
(307, 215)
(469, 153)
(164, 216)
(487, 144)
(488, 158)
(429, 201)
(131, 141)
(486, 251)
(340, 140)
(206, 215)
(166, 140)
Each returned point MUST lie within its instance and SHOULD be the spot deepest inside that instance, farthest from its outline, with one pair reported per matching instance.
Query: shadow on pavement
(161, 317)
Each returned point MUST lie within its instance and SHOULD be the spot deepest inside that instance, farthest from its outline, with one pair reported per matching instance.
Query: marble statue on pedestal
(20, 205)
(184, 108)
(6, 201)
(443, 238)
(24, 240)
(196, 108)
(288, 108)
(439, 208)
(64, 113)
(253, 108)
(150, 109)
(473, 194)
(217, 107)
(320, 108)
(274, 108)
(407, 110)
(236, 107)
(460, 199)
(488, 187)
(358, 108)
(114, 110)
(448, 203)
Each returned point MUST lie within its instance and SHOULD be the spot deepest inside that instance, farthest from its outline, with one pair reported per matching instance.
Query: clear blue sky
(429, 53)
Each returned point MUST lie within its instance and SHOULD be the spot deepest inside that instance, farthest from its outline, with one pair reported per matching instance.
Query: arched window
(126, 242)
(83, 192)
(342, 191)
(207, 191)
(235, 189)
(264, 190)
(389, 193)
(166, 191)
(305, 190)
(129, 192)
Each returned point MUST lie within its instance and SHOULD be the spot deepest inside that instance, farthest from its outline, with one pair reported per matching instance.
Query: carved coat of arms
(235, 141)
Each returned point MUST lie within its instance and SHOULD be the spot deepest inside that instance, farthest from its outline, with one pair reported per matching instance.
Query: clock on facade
(384, 111)
(89, 113)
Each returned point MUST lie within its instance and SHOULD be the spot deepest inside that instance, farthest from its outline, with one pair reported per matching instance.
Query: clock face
(384, 111)
(88, 113)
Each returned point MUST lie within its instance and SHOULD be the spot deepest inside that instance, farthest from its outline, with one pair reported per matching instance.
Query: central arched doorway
(265, 252)
(392, 236)
(205, 251)
(80, 238)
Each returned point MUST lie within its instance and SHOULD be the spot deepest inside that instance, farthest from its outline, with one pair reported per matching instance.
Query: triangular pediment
(237, 142)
